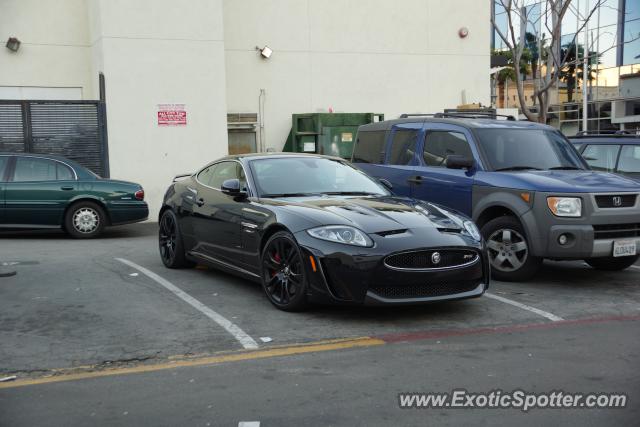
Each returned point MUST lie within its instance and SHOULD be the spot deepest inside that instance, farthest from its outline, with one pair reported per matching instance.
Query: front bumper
(352, 275)
(590, 236)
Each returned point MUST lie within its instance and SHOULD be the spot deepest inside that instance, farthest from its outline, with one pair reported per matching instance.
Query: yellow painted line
(211, 360)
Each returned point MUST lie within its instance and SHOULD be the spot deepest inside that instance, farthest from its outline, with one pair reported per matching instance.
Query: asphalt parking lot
(99, 332)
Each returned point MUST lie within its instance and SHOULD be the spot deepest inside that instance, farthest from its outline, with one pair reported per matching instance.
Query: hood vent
(391, 232)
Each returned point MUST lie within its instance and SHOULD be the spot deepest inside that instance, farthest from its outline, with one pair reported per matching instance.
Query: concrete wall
(154, 52)
(55, 50)
(354, 56)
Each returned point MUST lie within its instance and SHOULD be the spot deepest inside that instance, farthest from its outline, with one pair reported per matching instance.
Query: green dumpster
(331, 134)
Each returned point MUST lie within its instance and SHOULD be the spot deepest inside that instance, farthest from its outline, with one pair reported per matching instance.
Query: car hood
(374, 214)
(565, 181)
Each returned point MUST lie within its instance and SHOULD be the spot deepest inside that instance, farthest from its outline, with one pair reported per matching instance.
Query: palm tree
(572, 71)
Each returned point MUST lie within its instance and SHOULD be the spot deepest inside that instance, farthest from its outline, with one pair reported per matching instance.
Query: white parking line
(249, 424)
(537, 311)
(244, 339)
(635, 267)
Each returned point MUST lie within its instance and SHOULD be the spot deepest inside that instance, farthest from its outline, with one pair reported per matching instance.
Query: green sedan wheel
(85, 220)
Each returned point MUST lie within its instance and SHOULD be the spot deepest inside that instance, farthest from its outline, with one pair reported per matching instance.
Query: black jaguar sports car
(315, 228)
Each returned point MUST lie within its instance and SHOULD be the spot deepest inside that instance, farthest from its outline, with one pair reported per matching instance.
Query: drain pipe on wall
(261, 101)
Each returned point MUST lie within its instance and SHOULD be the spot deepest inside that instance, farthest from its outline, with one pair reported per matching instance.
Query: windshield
(522, 149)
(299, 176)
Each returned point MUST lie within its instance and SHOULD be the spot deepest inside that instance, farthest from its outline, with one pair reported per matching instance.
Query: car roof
(605, 139)
(469, 123)
(274, 155)
(46, 156)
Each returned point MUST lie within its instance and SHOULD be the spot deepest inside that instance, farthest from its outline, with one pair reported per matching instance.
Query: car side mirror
(459, 162)
(386, 183)
(231, 187)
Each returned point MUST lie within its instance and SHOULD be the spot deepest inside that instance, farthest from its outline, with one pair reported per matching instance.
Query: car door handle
(67, 187)
(415, 179)
(200, 202)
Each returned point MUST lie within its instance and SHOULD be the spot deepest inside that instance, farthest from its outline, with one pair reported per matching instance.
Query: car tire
(170, 242)
(612, 263)
(85, 220)
(283, 271)
(509, 250)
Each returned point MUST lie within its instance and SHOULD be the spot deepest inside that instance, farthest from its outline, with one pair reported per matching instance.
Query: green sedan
(46, 191)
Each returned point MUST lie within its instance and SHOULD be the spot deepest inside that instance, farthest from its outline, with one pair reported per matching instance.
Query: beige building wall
(354, 56)
(55, 49)
(157, 52)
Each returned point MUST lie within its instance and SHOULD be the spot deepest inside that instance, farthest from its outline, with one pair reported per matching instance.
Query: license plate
(624, 248)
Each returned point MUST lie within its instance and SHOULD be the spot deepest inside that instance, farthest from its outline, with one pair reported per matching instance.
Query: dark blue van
(527, 188)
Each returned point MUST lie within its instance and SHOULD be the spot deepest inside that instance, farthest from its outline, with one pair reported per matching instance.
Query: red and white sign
(172, 115)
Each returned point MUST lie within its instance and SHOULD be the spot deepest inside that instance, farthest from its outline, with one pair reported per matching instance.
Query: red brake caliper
(276, 258)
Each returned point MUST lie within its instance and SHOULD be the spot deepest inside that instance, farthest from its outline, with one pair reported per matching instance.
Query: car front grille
(612, 231)
(424, 290)
(616, 200)
(424, 259)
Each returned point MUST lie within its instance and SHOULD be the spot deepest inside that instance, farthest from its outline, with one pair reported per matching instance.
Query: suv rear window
(369, 147)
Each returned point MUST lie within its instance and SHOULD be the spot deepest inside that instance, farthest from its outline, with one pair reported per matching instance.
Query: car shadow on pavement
(145, 229)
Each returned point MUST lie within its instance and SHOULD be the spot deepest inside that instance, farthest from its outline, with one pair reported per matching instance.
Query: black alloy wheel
(170, 242)
(283, 274)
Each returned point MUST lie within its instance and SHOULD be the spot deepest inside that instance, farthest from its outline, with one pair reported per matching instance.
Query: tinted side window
(4, 161)
(63, 173)
(403, 146)
(369, 147)
(601, 157)
(629, 163)
(223, 172)
(34, 169)
(440, 144)
(206, 175)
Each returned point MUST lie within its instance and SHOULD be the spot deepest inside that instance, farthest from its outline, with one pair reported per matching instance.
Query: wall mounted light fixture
(265, 52)
(13, 44)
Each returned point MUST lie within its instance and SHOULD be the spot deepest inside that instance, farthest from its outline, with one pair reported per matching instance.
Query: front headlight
(565, 206)
(472, 229)
(341, 234)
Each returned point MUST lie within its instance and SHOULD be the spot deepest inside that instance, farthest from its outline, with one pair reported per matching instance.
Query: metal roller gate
(73, 129)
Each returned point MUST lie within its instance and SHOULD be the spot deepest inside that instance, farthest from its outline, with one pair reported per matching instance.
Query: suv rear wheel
(508, 249)
(611, 263)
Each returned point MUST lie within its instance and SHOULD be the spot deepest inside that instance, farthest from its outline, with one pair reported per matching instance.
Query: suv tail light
(139, 194)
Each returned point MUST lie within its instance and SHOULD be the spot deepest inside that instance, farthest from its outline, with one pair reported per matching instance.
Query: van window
(439, 145)
(629, 163)
(403, 147)
(369, 147)
(601, 157)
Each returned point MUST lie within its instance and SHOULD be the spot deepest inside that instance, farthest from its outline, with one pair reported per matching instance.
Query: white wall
(355, 56)
(55, 49)
(154, 52)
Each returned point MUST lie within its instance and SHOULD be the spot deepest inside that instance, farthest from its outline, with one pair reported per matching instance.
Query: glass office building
(612, 38)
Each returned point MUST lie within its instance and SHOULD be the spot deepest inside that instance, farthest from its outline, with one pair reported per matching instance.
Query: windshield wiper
(350, 193)
(567, 168)
(518, 168)
(277, 195)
